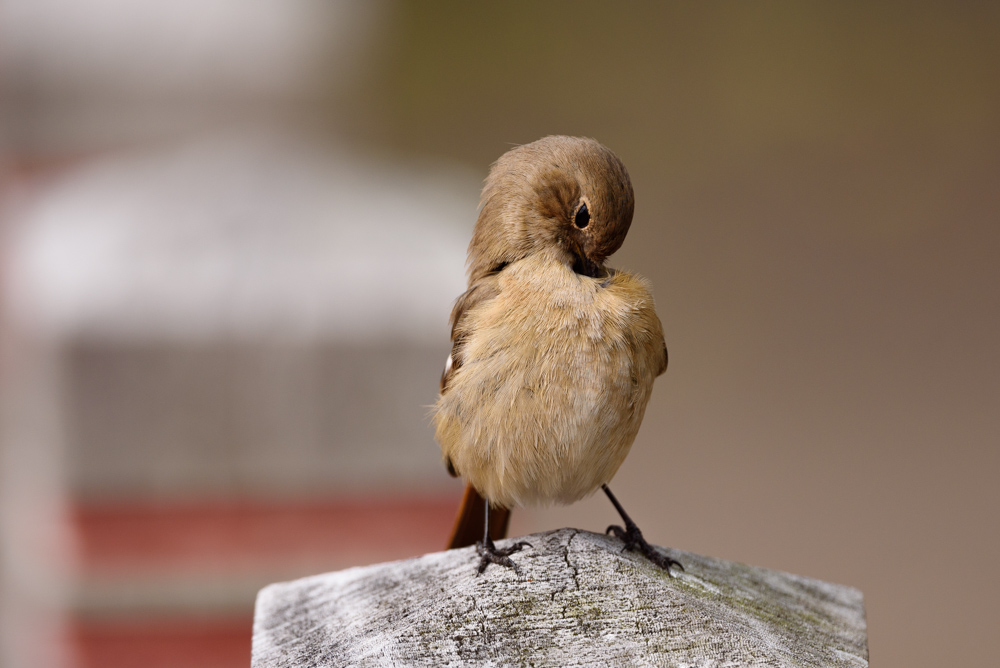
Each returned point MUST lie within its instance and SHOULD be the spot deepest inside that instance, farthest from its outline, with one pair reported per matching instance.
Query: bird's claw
(490, 554)
(634, 542)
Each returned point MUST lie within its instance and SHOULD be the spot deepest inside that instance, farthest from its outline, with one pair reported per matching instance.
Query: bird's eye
(582, 217)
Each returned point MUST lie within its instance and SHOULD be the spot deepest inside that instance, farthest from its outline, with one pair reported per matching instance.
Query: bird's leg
(488, 552)
(633, 539)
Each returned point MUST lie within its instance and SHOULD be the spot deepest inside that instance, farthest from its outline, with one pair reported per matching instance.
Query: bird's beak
(583, 264)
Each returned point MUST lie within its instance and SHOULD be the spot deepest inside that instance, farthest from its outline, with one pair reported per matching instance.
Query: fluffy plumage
(554, 355)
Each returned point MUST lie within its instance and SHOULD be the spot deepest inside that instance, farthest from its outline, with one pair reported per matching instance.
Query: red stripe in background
(128, 539)
(224, 535)
(196, 643)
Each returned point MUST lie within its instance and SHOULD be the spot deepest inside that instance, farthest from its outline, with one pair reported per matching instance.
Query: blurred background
(231, 233)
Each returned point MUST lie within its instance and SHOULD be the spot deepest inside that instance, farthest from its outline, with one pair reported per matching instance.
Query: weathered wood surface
(579, 600)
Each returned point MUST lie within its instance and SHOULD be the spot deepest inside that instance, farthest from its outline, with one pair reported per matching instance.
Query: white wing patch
(444, 374)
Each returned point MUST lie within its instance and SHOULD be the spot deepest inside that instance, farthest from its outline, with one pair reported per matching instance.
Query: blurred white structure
(165, 278)
(200, 301)
(244, 317)
(245, 237)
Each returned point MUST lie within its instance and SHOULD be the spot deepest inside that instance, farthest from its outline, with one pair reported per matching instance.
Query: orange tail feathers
(468, 529)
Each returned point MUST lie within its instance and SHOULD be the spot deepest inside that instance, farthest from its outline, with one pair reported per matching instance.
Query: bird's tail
(468, 529)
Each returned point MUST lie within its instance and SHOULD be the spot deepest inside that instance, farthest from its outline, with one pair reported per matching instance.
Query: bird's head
(568, 197)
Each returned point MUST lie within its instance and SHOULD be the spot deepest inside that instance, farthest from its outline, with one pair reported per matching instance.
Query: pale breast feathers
(548, 378)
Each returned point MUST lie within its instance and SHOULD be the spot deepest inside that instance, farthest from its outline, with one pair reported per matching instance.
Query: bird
(553, 353)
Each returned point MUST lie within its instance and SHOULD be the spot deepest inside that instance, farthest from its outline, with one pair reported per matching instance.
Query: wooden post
(579, 600)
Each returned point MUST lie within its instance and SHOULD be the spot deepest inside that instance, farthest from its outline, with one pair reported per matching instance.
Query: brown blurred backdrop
(190, 349)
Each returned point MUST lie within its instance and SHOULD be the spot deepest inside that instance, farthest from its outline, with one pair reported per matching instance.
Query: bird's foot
(490, 554)
(634, 542)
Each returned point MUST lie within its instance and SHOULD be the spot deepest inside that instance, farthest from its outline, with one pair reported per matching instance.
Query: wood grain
(579, 601)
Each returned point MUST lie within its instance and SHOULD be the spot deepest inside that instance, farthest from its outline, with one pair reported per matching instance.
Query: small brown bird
(553, 354)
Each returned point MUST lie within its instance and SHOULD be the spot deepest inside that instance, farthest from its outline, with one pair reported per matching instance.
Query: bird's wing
(481, 291)
(469, 523)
